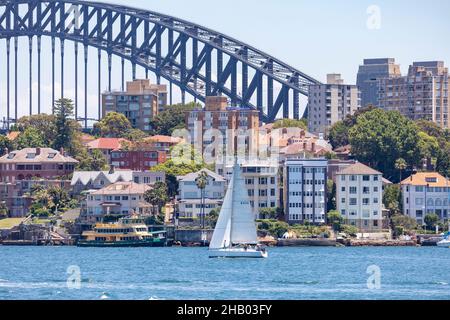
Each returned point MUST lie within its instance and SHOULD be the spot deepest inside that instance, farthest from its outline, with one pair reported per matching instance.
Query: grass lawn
(10, 222)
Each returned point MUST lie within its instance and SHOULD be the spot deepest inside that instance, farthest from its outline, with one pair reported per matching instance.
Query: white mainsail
(236, 223)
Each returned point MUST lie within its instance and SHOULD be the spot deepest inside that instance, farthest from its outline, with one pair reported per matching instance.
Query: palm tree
(400, 164)
(202, 181)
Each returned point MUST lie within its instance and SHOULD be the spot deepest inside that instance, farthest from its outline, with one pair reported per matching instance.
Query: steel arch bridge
(200, 61)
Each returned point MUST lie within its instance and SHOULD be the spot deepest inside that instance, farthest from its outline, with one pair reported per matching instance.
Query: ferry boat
(127, 232)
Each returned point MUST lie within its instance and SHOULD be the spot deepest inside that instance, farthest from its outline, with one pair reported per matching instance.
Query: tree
(212, 217)
(3, 210)
(66, 126)
(381, 137)
(135, 135)
(44, 123)
(268, 213)
(338, 135)
(172, 118)
(331, 195)
(392, 199)
(31, 138)
(5, 143)
(335, 219)
(400, 165)
(113, 125)
(407, 223)
(91, 161)
(202, 181)
(431, 220)
(443, 161)
(290, 123)
(157, 196)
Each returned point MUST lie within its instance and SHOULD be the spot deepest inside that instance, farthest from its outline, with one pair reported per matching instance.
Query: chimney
(304, 145)
(61, 151)
(313, 146)
(38, 151)
(111, 169)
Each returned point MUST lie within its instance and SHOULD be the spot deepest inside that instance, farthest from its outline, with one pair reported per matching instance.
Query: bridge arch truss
(200, 61)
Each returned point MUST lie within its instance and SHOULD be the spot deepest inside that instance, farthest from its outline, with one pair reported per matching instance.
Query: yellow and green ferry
(127, 232)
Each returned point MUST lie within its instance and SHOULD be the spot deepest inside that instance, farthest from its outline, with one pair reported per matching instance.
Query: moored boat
(445, 243)
(127, 232)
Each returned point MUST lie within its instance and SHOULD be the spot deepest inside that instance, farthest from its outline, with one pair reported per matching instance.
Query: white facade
(305, 182)
(330, 103)
(121, 198)
(261, 182)
(189, 195)
(426, 193)
(359, 197)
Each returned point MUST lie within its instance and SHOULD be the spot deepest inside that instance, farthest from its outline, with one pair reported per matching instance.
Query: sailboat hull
(444, 243)
(237, 253)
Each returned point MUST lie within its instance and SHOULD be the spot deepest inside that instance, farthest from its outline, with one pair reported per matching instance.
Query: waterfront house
(425, 193)
(88, 180)
(107, 145)
(190, 195)
(118, 199)
(359, 197)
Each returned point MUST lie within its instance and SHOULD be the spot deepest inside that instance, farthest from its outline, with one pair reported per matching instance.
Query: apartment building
(426, 193)
(190, 195)
(35, 163)
(359, 197)
(421, 94)
(368, 75)
(139, 103)
(231, 123)
(330, 103)
(138, 159)
(305, 183)
(262, 182)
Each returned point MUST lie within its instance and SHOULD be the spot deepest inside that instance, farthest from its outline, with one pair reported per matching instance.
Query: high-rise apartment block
(330, 103)
(422, 94)
(370, 73)
(230, 123)
(139, 103)
(305, 183)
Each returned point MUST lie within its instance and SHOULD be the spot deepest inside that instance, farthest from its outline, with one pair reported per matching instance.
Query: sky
(314, 36)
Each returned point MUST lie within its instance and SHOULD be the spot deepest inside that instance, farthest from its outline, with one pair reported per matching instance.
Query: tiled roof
(298, 147)
(123, 188)
(164, 139)
(432, 179)
(358, 168)
(194, 175)
(13, 135)
(36, 155)
(107, 143)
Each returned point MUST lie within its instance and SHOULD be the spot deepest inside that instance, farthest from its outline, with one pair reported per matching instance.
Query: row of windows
(365, 213)
(307, 170)
(250, 181)
(354, 177)
(307, 193)
(298, 217)
(319, 205)
(307, 182)
(114, 198)
(429, 189)
(430, 202)
(354, 190)
(354, 201)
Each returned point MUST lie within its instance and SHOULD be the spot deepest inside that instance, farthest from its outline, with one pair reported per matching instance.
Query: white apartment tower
(330, 103)
(305, 182)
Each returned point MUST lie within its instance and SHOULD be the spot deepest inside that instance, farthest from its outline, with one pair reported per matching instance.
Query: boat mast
(233, 178)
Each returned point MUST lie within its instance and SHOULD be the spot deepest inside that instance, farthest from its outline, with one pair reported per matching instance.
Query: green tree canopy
(381, 137)
(431, 220)
(91, 161)
(157, 196)
(290, 123)
(172, 118)
(31, 138)
(67, 128)
(5, 143)
(113, 125)
(44, 123)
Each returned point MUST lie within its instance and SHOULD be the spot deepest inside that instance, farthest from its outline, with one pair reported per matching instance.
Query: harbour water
(188, 273)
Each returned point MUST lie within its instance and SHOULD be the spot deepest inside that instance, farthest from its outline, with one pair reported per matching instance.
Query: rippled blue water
(188, 273)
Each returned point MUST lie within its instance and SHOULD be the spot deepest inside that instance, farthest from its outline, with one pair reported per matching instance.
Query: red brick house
(29, 163)
(138, 160)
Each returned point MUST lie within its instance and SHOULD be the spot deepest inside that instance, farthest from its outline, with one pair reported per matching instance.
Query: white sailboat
(235, 234)
(445, 243)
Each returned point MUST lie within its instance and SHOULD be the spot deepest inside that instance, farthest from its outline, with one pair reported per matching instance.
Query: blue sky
(315, 36)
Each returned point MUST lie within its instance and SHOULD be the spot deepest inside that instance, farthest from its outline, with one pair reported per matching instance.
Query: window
(353, 190)
(353, 201)
(366, 178)
(366, 201)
